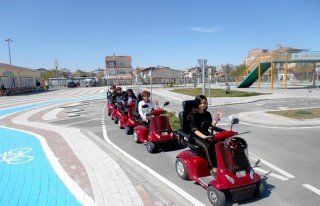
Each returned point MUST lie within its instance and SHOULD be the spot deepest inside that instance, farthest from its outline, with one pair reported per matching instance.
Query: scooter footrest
(242, 193)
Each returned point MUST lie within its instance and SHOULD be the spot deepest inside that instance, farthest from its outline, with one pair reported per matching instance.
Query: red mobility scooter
(110, 103)
(116, 112)
(156, 132)
(129, 118)
(234, 177)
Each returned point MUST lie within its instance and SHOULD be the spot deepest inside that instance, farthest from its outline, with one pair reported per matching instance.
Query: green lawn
(310, 113)
(215, 92)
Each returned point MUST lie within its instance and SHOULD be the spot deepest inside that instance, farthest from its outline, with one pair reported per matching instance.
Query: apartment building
(119, 67)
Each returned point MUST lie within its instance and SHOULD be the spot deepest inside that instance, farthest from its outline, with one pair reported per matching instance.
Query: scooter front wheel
(216, 197)
(116, 120)
(259, 189)
(151, 147)
(109, 112)
(181, 169)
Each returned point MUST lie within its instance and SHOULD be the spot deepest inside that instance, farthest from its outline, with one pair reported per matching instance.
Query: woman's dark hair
(197, 102)
(133, 95)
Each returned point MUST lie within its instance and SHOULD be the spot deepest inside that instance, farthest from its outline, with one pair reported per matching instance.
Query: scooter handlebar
(224, 135)
(157, 112)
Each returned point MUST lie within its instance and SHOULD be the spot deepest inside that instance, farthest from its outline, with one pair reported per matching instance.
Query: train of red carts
(235, 177)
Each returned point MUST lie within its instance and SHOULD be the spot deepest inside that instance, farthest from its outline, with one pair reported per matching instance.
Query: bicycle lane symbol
(16, 156)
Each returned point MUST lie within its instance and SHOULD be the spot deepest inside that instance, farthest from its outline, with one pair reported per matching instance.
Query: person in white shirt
(146, 100)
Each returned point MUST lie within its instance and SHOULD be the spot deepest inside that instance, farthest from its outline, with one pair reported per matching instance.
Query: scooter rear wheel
(109, 112)
(181, 169)
(135, 137)
(120, 125)
(127, 130)
(116, 120)
(216, 197)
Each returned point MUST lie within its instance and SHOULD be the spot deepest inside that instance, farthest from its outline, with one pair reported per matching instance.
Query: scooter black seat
(185, 130)
(135, 113)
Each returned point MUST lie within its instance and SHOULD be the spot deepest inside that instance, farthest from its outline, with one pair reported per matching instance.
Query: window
(5, 81)
(121, 64)
(122, 71)
(112, 71)
(111, 64)
(31, 83)
(23, 82)
(14, 82)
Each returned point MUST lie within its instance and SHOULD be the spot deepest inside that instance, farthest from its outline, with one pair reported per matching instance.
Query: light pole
(9, 40)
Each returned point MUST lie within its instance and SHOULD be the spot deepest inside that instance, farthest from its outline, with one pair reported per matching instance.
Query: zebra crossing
(30, 98)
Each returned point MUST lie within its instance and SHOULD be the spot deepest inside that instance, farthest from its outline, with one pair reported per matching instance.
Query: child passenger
(146, 100)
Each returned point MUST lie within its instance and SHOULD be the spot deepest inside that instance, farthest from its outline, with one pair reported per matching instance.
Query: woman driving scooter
(146, 100)
(199, 129)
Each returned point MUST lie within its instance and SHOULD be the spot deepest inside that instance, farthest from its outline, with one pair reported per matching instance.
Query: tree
(48, 74)
(239, 70)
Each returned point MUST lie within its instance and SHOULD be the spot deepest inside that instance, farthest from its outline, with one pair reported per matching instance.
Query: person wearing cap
(112, 90)
(146, 100)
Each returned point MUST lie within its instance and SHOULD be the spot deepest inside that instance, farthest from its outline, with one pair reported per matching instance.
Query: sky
(79, 34)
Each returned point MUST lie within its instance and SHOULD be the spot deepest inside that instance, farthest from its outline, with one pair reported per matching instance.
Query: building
(18, 79)
(160, 74)
(119, 67)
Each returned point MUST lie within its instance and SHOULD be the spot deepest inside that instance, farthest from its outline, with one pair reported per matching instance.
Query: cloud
(206, 29)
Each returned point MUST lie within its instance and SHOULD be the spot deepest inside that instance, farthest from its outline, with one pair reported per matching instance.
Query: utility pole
(9, 40)
(56, 66)
(203, 63)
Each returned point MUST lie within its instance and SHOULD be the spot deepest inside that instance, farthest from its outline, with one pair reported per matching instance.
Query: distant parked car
(72, 84)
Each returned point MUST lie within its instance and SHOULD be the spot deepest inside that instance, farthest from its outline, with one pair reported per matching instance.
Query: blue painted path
(26, 175)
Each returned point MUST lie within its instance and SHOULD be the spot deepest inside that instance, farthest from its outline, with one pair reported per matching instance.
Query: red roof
(118, 58)
(8, 66)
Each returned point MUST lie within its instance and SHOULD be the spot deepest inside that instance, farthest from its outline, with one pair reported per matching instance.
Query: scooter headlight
(230, 179)
(164, 133)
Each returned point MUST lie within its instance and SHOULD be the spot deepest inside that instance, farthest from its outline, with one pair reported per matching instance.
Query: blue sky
(174, 33)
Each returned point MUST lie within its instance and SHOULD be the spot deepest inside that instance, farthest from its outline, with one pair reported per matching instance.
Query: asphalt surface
(90, 167)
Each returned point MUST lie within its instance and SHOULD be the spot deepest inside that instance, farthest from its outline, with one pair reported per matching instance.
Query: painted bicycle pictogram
(16, 156)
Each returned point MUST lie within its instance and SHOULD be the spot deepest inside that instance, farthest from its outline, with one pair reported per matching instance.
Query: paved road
(140, 193)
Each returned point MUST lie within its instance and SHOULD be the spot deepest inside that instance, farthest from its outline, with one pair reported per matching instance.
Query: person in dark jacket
(199, 119)
(4, 90)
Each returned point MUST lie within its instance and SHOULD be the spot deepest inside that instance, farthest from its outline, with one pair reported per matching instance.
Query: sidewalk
(261, 118)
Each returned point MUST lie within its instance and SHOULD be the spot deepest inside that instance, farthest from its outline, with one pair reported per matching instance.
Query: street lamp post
(9, 40)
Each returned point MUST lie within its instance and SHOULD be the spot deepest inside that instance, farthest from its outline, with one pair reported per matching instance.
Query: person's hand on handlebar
(209, 137)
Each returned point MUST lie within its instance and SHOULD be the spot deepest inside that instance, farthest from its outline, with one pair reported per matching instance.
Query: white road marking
(274, 167)
(82, 121)
(264, 172)
(291, 128)
(312, 188)
(152, 172)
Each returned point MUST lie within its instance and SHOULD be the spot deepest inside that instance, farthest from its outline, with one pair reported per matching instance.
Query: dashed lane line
(82, 121)
(312, 188)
